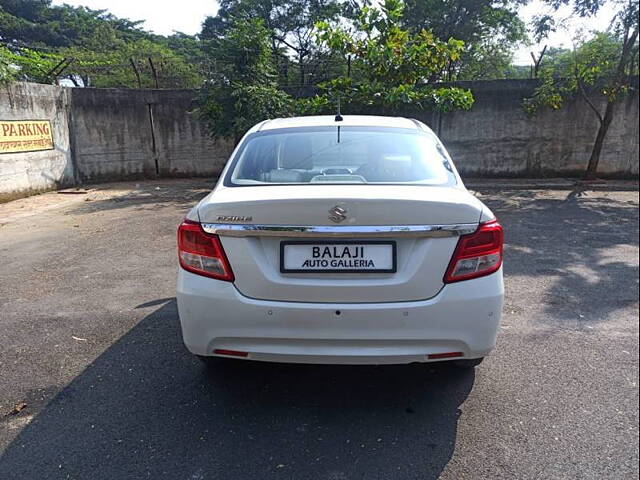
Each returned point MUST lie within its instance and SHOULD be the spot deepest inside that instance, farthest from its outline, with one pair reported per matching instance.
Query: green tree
(243, 91)
(603, 65)
(27, 65)
(291, 25)
(35, 23)
(7, 69)
(396, 68)
(186, 46)
(93, 48)
(141, 63)
(490, 30)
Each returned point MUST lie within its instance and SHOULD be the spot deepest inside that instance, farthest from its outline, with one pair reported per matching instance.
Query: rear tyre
(468, 363)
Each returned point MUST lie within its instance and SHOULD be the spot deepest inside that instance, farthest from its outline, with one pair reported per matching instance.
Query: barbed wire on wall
(154, 71)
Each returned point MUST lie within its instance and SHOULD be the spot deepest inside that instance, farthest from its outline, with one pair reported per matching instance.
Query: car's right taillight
(477, 254)
(202, 253)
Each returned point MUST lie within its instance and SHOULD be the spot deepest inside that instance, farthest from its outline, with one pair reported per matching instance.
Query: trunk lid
(421, 261)
(365, 205)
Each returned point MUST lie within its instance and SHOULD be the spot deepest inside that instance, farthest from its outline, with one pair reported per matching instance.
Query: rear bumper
(463, 317)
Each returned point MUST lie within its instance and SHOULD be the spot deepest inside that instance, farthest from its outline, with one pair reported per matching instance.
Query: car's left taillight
(202, 253)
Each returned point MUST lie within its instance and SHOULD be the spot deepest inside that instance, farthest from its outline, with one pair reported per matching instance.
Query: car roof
(347, 121)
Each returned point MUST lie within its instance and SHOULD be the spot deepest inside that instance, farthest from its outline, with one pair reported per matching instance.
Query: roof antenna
(338, 116)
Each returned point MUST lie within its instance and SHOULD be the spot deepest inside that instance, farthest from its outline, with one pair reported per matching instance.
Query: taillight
(202, 253)
(230, 353)
(477, 254)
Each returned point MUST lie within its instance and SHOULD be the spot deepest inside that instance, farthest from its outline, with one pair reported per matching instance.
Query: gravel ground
(95, 382)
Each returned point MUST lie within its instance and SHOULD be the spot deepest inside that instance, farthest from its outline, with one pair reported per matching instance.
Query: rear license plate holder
(301, 256)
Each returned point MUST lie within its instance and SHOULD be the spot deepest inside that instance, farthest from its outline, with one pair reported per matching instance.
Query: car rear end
(340, 259)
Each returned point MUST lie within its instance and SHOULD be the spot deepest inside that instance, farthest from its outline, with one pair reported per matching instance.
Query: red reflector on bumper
(231, 353)
(435, 356)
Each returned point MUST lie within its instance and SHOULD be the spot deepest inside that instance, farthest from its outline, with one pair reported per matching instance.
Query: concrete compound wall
(36, 171)
(118, 134)
(497, 138)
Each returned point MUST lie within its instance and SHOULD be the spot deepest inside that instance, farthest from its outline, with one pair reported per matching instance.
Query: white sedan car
(347, 240)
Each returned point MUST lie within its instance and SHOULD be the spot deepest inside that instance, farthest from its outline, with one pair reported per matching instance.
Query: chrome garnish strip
(290, 231)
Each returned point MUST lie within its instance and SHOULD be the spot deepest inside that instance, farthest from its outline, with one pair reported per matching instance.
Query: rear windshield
(357, 155)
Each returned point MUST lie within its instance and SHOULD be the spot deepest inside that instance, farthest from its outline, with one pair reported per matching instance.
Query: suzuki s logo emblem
(337, 214)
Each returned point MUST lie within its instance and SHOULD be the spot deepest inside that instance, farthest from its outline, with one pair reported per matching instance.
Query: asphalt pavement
(96, 384)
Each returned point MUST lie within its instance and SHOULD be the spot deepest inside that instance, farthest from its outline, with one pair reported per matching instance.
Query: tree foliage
(588, 70)
(7, 69)
(36, 23)
(135, 64)
(243, 91)
(28, 65)
(91, 48)
(397, 67)
(291, 26)
(398, 70)
(602, 65)
(490, 31)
